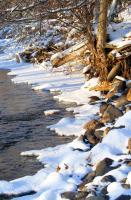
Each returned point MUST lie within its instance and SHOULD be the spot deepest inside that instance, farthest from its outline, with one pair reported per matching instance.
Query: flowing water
(23, 126)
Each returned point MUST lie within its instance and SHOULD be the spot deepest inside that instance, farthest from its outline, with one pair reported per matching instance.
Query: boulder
(103, 107)
(119, 85)
(90, 131)
(121, 101)
(81, 195)
(99, 134)
(89, 134)
(108, 178)
(94, 99)
(106, 131)
(68, 195)
(103, 167)
(92, 125)
(110, 114)
(87, 179)
(98, 197)
(125, 186)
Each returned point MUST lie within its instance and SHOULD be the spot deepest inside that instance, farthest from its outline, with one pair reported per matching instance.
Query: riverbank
(65, 166)
(97, 164)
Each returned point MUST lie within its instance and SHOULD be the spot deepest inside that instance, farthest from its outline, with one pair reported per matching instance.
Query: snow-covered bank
(66, 165)
(104, 164)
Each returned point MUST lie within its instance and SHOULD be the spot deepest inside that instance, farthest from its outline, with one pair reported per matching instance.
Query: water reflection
(23, 126)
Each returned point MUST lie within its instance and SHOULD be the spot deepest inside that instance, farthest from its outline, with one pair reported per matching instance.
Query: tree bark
(101, 40)
(102, 24)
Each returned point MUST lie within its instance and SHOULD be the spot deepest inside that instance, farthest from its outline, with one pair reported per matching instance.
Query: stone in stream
(103, 167)
(110, 114)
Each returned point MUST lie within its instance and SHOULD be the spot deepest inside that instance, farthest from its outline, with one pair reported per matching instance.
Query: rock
(98, 197)
(126, 186)
(128, 108)
(81, 195)
(121, 101)
(129, 95)
(104, 191)
(106, 131)
(99, 134)
(111, 96)
(123, 197)
(129, 146)
(110, 114)
(103, 107)
(87, 179)
(82, 138)
(108, 178)
(119, 85)
(68, 195)
(103, 167)
(94, 99)
(89, 134)
(92, 125)
(123, 180)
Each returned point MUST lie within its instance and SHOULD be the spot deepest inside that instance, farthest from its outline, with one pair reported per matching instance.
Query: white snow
(51, 112)
(63, 172)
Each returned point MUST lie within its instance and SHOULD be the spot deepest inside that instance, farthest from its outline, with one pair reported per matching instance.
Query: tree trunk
(101, 39)
(102, 24)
